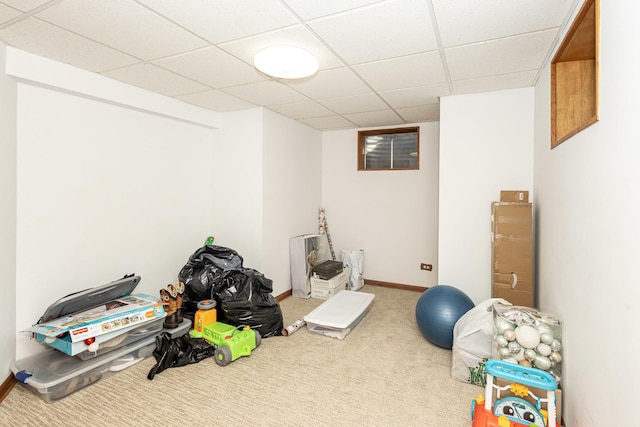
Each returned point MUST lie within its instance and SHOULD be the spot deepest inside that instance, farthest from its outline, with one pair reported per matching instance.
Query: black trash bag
(245, 299)
(180, 351)
(203, 269)
(242, 295)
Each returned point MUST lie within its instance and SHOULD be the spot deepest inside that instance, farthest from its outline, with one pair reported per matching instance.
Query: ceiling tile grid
(381, 62)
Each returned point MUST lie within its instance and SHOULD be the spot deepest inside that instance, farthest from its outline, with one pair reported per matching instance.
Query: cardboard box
(105, 342)
(325, 289)
(512, 253)
(514, 196)
(305, 252)
(103, 319)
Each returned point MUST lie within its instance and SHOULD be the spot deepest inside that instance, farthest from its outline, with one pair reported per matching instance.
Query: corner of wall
(8, 105)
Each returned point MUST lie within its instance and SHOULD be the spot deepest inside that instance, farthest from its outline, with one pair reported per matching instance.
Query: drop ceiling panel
(7, 13)
(24, 5)
(314, 9)
(415, 96)
(221, 21)
(492, 83)
(423, 113)
(328, 123)
(302, 110)
(381, 31)
(375, 118)
(216, 100)
(470, 21)
(212, 66)
(156, 79)
(501, 56)
(354, 104)
(124, 25)
(399, 73)
(331, 84)
(41, 38)
(266, 93)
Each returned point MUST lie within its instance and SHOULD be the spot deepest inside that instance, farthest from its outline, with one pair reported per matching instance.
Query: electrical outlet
(427, 267)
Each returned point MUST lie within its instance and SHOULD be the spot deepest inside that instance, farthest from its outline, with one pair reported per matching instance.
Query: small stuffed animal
(169, 299)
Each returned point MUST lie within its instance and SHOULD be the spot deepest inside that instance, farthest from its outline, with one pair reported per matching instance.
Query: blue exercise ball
(437, 311)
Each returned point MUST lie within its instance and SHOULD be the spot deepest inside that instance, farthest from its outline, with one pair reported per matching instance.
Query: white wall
(237, 168)
(103, 190)
(588, 222)
(7, 218)
(486, 145)
(292, 189)
(267, 188)
(391, 215)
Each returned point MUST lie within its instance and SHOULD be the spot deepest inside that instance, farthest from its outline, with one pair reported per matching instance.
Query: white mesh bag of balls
(528, 337)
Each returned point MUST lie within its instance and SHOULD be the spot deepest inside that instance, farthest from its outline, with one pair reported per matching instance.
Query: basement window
(389, 149)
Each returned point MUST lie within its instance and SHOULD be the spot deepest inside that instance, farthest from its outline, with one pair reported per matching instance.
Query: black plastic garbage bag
(243, 295)
(245, 299)
(205, 268)
(179, 351)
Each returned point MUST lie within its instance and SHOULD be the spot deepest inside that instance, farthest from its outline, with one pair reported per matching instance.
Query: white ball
(530, 354)
(546, 337)
(542, 362)
(556, 345)
(504, 352)
(503, 324)
(509, 334)
(527, 336)
(501, 341)
(514, 347)
(555, 357)
(543, 349)
(511, 360)
(543, 328)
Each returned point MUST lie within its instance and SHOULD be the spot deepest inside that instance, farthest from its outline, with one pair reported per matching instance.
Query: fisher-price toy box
(94, 347)
(70, 331)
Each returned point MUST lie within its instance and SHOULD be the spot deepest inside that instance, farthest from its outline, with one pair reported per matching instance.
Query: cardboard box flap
(514, 196)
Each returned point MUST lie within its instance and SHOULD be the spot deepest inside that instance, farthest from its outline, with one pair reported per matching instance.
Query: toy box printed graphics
(95, 346)
(77, 321)
(109, 317)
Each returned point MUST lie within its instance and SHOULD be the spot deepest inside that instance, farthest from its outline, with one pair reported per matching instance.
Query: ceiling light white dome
(286, 62)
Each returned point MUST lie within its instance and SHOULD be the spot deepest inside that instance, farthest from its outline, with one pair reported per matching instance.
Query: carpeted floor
(384, 373)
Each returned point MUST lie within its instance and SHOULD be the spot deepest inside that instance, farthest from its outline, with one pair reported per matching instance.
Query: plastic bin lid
(52, 367)
(341, 310)
(91, 297)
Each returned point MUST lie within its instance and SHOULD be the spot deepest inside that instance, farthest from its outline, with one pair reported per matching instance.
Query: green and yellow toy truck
(230, 342)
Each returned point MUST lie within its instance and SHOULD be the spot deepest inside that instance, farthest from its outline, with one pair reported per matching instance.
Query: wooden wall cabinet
(575, 76)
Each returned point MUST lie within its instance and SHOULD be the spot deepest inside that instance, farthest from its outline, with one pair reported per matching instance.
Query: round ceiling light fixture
(286, 62)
